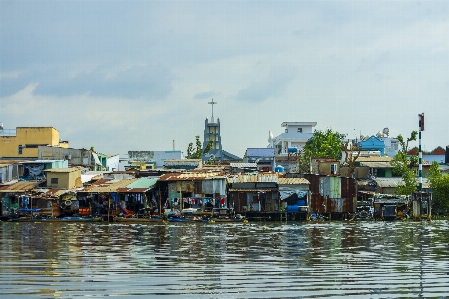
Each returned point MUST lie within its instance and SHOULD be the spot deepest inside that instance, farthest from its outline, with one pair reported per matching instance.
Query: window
(54, 181)
(299, 130)
(380, 173)
(286, 130)
(20, 149)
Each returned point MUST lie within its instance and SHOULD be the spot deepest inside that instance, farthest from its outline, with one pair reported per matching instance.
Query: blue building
(373, 143)
(263, 157)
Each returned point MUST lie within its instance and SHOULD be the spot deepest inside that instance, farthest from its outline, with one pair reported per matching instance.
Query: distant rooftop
(72, 169)
(284, 124)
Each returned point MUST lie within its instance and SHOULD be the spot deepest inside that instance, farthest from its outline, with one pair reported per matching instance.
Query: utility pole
(421, 128)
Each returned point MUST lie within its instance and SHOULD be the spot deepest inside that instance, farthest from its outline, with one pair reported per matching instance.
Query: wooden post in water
(160, 201)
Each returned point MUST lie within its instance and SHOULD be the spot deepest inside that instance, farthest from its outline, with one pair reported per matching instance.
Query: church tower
(212, 132)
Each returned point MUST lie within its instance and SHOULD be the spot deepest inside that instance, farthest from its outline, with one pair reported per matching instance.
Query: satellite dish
(211, 157)
(386, 131)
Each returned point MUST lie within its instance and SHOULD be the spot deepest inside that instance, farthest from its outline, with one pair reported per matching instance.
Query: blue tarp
(29, 210)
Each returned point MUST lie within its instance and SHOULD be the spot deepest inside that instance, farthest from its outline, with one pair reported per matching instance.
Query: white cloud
(136, 76)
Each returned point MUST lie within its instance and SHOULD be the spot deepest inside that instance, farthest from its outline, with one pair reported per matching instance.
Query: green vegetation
(323, 144)
(439, 183)
(404, 166)
(196, 153)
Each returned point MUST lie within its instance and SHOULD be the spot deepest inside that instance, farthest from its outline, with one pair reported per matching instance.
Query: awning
(252, 190)
(287, 193)
(97, 160)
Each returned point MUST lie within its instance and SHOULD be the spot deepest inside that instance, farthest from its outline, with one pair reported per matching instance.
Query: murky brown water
(200, 260)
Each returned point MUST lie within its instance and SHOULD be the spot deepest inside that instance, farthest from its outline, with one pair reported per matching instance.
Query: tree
(196, 153)
(323, 144)
(350, 157)
(405, 166)
(303, 161)
(404, 144)
(439, 184)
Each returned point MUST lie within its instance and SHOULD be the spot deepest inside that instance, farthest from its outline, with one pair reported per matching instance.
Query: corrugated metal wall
(332, 194)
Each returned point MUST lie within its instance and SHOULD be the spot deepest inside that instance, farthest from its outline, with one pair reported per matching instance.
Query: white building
(296, 135)
(112, 162)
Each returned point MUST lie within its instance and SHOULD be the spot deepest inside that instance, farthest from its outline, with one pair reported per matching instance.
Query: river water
(202, 260)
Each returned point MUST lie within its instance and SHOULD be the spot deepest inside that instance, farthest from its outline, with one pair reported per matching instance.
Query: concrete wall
(66, 180)
(6, 173)
(362, 172)
(430, 158)
(112, 163)
(30, 138)
(73, 156)
(158, 157)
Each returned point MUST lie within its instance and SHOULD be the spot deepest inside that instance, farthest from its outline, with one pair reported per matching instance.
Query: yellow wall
(66, 180)
(31, 137)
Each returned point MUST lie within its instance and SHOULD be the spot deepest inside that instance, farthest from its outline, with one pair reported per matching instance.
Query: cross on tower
(212, 103)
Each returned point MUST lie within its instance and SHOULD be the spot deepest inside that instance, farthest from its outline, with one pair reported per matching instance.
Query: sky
(138, 75)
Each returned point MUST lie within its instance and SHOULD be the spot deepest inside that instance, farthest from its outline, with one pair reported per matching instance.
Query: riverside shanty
(40, 175)
(204, 193)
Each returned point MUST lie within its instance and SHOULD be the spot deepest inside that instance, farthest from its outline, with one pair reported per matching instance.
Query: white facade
(112, 162)
(392, 146)
(296, 134)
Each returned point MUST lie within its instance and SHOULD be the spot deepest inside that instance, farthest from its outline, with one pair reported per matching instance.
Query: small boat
(316, 217)
(179, 219)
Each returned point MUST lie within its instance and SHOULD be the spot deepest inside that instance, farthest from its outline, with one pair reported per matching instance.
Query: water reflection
(197, 260)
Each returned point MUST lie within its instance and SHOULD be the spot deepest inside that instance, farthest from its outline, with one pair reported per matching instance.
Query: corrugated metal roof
(88, 177)
(22, 186)
(140, 186)
(185, 162)
(143, 183)
(243, 165)
(374, 159)
(376, 164)
(252, 190)
(388, 182)
(260, 152)
(56, 192)
(40, 161)
(394, 182)
(104, 185)
(256, 178)
(293, 181)
(192, 176)
(63, 170)
(9, 182)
